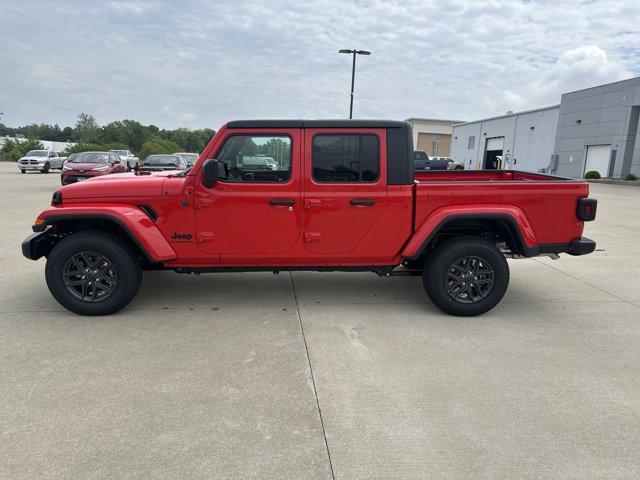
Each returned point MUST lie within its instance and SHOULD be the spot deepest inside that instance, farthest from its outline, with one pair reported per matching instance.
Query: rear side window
(345, 158)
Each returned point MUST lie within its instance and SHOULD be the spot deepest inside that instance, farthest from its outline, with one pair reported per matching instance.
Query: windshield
(122, 153)
(36, 153)
(91, 157)
(161, 160)
(189, 157)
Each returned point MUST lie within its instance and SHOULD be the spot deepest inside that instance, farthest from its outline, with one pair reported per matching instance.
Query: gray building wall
(604, 115)
(528, 139)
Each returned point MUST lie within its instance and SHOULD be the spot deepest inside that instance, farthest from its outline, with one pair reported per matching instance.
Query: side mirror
(212, 171)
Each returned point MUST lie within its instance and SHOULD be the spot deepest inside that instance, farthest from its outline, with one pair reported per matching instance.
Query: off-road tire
(128, 272)
(441, 266)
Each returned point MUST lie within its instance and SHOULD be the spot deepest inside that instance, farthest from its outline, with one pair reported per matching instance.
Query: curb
(634, 183)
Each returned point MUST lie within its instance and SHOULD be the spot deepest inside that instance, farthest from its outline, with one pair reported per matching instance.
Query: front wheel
(22, 170)
(466, 276)
(93, 273)
(46, 167)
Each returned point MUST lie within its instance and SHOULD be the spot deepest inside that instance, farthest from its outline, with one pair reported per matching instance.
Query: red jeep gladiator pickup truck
(323, 195)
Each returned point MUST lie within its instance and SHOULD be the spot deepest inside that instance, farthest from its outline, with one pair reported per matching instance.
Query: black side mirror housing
(212, 171)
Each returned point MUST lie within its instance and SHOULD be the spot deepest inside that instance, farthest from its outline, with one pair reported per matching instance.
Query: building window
(345, 158)
(472, 143)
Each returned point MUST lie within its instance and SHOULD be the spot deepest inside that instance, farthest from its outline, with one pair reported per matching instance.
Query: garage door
(496, 143)
(598, 159)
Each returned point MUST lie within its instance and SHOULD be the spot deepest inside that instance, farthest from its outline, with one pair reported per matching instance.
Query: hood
(116, 185)
(84, 166)
(33, 158)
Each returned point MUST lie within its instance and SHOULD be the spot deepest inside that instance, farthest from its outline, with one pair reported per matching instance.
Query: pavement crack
(313, 380)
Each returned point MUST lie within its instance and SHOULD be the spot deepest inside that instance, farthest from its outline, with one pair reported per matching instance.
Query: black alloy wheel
(469, 279)
(90, 276)
(466, 276)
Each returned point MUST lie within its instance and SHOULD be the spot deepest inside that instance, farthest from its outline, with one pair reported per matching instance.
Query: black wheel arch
(498, 227)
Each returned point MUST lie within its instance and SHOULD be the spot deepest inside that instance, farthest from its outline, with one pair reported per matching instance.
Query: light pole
(353, 73)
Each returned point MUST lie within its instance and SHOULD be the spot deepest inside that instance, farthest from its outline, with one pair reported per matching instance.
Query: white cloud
(575, 69)
(201, 62)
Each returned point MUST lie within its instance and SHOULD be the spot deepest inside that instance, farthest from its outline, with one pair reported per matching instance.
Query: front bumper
(31, 166)
(74, 177)
(37, 245)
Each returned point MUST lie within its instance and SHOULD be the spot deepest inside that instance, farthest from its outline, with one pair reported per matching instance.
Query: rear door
(345, 187)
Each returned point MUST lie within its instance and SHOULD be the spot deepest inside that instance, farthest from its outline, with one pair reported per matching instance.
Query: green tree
(152, 147)
(86, 129)
(12, 150)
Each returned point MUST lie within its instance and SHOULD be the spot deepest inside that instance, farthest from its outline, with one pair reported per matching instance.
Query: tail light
(587, 209)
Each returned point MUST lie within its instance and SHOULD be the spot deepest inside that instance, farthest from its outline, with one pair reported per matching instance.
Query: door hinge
(204, 237)
(310, 237)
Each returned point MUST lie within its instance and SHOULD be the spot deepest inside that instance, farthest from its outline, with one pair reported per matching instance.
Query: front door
(256, 209)
(345, 187)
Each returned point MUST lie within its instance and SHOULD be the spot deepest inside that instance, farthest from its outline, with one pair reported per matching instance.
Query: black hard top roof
(316, 124)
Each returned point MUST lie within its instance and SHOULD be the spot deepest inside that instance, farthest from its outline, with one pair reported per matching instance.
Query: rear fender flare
(512, 215)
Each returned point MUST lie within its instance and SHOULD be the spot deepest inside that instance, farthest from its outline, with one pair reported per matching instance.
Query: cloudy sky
(199, 63)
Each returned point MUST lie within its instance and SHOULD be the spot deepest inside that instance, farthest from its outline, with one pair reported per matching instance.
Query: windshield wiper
(183, 173)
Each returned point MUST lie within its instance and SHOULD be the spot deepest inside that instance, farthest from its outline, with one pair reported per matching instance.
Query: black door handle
(360, 202)
(281, 201)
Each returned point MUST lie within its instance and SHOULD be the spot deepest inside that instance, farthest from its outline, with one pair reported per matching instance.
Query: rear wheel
(93, 273)
(466, 276)
(46, 168)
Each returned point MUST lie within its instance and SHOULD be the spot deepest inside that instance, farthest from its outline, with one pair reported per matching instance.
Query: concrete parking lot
(314, 375)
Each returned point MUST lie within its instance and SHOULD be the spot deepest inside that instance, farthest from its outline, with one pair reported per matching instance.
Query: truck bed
(483, 176)
(547, 203)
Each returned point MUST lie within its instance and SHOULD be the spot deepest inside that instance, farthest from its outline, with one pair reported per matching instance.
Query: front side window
(256, 158)
(342, 158)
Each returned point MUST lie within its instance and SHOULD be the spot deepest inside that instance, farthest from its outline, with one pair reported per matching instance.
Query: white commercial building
(516, 141)
(47, 144)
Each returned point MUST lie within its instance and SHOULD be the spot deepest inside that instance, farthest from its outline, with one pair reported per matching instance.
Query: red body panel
(132, 218)
(233, 224)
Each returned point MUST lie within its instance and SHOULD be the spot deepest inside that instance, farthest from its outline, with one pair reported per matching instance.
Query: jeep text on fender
(322, 195)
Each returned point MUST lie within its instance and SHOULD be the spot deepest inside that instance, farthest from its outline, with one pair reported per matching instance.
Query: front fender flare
(438, 219)
(135, 223)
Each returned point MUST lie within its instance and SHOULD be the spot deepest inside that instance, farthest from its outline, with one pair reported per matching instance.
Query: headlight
(101, 169)
(66, 169)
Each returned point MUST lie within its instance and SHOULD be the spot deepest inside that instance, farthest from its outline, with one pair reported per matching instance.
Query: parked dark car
(90, 164)
(420, 160)
(159, 163)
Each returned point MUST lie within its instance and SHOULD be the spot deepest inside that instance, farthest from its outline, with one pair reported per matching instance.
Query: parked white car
(190, 158)
(41, 160)
(129, 159)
